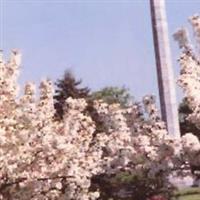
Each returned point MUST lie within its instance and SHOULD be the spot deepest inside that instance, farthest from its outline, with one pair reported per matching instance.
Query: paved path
(182, 182)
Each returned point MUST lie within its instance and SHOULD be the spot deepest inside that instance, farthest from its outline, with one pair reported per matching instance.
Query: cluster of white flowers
(195, 22)
(189, 81)
(42, 158)
(189, 78)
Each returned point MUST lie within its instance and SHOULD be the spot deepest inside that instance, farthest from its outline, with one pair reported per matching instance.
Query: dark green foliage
(66, 87)
(92, 112)
(112, 95)
(185, 125)
(126, 186)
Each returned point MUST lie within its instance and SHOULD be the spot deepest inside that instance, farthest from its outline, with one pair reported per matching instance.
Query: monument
(166, 81)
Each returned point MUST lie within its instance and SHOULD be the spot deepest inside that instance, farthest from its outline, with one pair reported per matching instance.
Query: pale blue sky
(104, 42)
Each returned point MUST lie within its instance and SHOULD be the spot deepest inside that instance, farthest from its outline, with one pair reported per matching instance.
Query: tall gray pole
(166, 81)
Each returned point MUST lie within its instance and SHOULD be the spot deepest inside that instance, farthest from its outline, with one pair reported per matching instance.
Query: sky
(103, 42)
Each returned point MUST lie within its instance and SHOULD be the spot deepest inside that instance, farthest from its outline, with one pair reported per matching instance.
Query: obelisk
(166, 81)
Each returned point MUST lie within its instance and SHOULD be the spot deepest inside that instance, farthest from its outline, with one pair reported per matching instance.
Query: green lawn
(189, 194)
(190, 197)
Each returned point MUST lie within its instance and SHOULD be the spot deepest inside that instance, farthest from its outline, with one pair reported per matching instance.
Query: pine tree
(67, 87)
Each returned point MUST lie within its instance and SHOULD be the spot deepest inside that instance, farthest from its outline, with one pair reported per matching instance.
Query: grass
(190, 197)
(188, 194)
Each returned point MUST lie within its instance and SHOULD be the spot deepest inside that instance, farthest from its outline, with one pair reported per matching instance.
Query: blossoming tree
(189, 81)
(42, 158)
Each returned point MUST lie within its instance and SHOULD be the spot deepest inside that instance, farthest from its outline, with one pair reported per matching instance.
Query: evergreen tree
(66, 87)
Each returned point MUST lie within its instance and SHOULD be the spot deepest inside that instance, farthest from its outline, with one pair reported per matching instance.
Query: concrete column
(166, 81)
